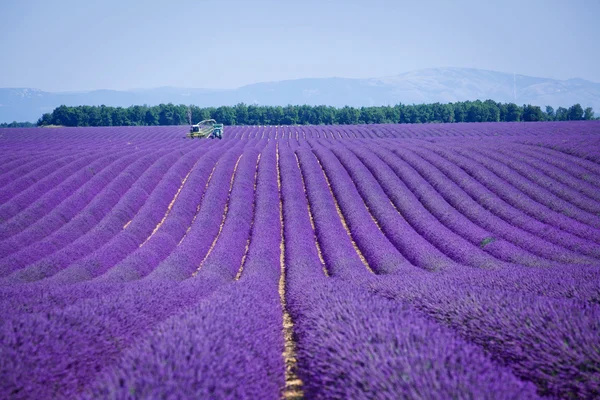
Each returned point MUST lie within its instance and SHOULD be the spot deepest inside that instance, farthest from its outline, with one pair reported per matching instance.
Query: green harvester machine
(206, 129)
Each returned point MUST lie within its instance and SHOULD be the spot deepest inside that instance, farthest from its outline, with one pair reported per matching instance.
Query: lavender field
(457, 261)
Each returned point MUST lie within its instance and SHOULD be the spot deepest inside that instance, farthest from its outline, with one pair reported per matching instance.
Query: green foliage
(532, 113)
(576, 112)
(588, 114)
(242, 114)
(562, 114)
(16, 124)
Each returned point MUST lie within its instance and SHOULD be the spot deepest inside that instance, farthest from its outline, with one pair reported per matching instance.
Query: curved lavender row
(509, 210)
(28, 211)
(408, 242)
(153, 301)
(582, 169)
(298, 232)
(143, 260)
(25, 165)
(545, 191)
(449, 243)
(48, 192)
(44, 178)
(561, 282)
(340, 256)
(85, 200)
(191, 250)
(582, 150)
(138, 230)
(44, 297)
(352, 344)
(79, 224)
(23, 182)
(500, 246)
(38, 358)
(224, 260)
(381, 254)
(232, 341)
(15, 159)
(327, 373)
(466, 200)
(113, 223)
(261, 267)
(542, 205)
(578, 187)
(529, 333)
(228, 346)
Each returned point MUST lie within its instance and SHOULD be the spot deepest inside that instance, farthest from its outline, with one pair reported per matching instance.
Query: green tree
(532, 113)
(550, 113)
(588, 113)
(575, 112)
(241, 114)
(513, 112)
(562, 114)
(151, 117)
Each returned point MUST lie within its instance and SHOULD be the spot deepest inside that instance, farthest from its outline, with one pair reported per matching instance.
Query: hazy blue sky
(120, 44)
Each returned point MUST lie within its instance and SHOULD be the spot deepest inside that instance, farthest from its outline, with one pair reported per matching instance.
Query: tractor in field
(206, 129)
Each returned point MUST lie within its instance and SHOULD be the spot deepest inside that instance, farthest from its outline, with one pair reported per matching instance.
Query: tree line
(242, 114)
(16, 124)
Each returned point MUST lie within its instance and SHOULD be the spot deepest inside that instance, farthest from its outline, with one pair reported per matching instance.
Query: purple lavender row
(138, 230)
(449, 243)
(189, 253)
(344, 338)
(476, 224)
(152, 300)
(578, 146)
(112, 224)
(12, 171)
(15, 159)
(352, 344)
(560, 282)
(456, 237)
(79, 224)
(47, 185)
(261, 268)
(160, 245)
(540, 204)
(232, 341)
(60, 351)
(340, 256)
(489, 194)
(550, 194)
(47, 175)
(577, 189)
(408, 242)
(466, 202)
(24, 182)
(567, 172)
(380, 253)
(95, 133)
(38, 298)
(224, 260)
(228, 346)
(299, 236)
(33, 204)
(64, 211)
(583, 169)
(528, 333)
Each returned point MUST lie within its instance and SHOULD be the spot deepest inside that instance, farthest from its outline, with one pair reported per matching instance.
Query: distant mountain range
(422, 86)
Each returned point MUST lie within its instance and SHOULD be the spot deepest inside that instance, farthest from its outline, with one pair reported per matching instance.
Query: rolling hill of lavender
(374, 261)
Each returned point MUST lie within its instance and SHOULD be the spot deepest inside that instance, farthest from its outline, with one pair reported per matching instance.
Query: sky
(72, 45)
